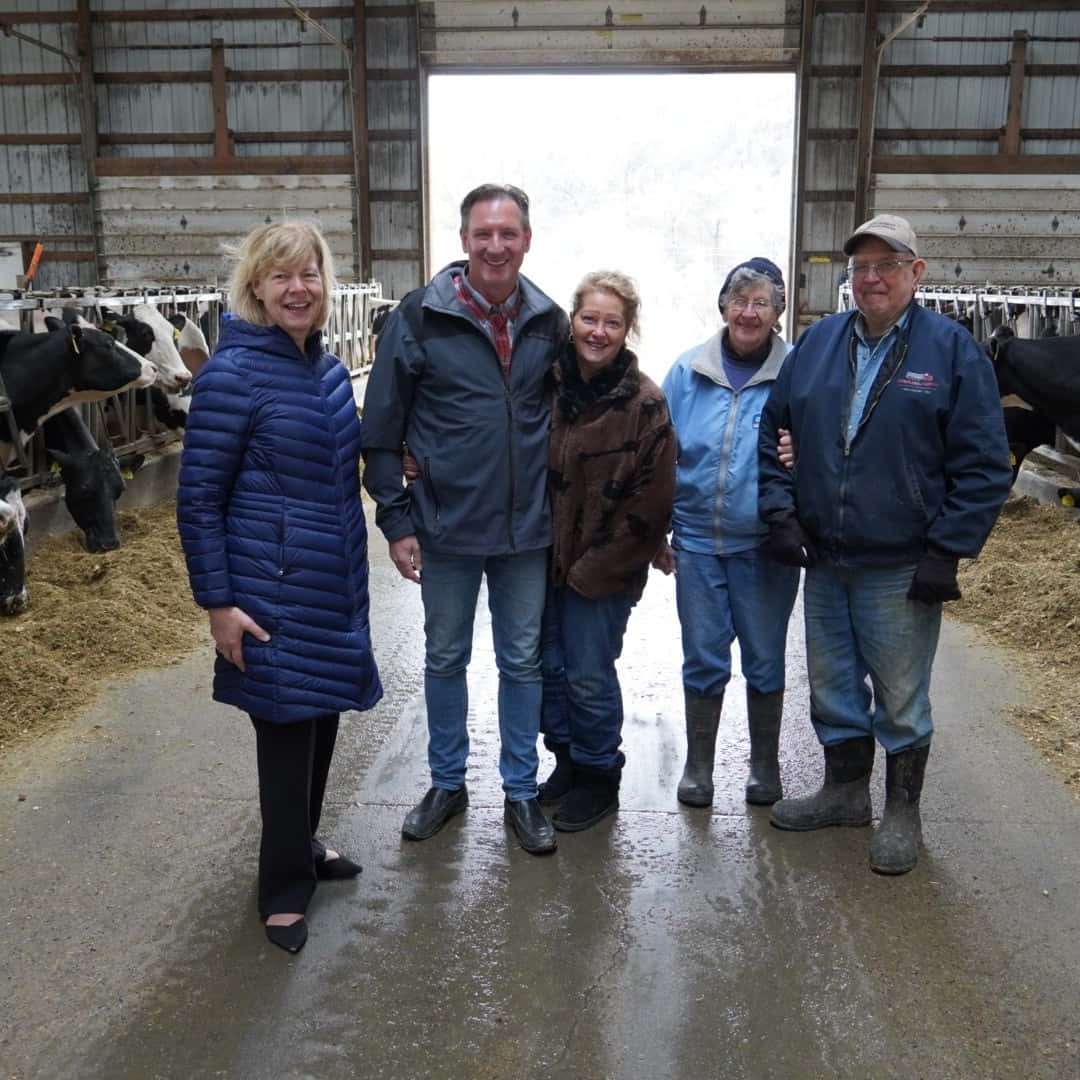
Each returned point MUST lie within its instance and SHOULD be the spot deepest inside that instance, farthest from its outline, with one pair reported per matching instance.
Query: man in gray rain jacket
(461, 379)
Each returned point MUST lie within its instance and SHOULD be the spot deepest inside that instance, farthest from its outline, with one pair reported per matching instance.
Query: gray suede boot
(763, 713)
(844, 798)
(894, 848)
(702, 720)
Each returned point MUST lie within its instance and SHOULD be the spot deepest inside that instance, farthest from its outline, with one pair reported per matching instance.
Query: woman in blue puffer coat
(273, 532)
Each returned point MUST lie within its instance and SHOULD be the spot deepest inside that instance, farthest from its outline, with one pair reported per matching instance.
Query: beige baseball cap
(895, 231)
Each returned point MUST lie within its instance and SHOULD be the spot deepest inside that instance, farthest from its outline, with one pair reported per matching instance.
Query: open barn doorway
(671, 178)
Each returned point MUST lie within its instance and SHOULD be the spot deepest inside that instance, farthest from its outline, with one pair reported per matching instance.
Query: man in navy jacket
(460, 379)
(902, 467)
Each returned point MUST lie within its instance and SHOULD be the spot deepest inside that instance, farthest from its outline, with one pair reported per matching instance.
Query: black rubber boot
(557, 786)
(763, 715)
(843, 799)
(595, 794)
(894, 848)
(702, 720)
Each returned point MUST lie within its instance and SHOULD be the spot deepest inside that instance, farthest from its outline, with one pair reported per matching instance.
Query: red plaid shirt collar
(497, 319)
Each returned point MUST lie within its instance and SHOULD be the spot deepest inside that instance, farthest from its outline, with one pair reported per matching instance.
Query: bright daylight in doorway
(672, 179)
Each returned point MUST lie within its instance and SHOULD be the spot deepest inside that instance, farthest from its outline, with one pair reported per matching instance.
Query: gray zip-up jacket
(481, 440)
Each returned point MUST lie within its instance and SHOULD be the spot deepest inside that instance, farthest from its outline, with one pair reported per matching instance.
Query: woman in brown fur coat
(611, 480)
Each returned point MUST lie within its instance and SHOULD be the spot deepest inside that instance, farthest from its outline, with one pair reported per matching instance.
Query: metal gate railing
(125, 421)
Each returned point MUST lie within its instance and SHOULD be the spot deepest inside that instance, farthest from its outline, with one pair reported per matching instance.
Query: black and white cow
(92, 478)
(12, 547)
(1043, 374)
(173, 375)
(46, 373)
(191, 343)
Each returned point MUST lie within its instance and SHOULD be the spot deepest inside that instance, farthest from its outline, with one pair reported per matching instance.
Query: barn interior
(137, 139)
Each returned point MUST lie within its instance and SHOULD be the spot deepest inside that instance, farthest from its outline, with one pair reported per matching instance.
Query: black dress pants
(294, 760)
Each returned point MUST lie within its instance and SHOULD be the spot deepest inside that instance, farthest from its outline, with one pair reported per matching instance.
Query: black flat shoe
(291, 938)
(336, 869)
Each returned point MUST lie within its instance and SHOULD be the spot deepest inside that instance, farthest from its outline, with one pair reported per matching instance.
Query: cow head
(191, 342)
(92, 484)
(100, 362)
(13, 595)
(172, 375)
(137, 335)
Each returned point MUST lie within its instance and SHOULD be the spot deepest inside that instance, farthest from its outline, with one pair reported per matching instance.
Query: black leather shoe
(533, 830)
(433, 811)
(291, 938)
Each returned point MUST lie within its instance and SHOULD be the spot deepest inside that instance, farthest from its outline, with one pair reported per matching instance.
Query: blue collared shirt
(869, 354)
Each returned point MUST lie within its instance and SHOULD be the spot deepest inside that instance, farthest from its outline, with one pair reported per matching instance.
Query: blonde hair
(620, 286)
(284, 243)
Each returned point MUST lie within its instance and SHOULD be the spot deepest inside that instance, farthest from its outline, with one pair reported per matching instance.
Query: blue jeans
(450, 585)
(857, 621)
(722, 597)
(582, 698)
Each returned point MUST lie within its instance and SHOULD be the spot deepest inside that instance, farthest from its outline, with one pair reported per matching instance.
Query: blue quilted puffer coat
(270, 519)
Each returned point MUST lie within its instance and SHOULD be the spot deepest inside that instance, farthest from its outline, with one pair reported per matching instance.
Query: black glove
(935, 578)
(788, 542)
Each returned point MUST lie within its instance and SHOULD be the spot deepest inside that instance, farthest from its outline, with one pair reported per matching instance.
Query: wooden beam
(40, 140)
(229, 166)
(223, 144)
(88, 130)
(867, 102)
(46, 238)
(181, 14)
(942, 134)
(1035, 164)
(934, 71)
(409, 195)
(46, 198)
(178, 138)
(948, 7)
(361, 166)
(799, 199)
(387, 254)
(1009, 143)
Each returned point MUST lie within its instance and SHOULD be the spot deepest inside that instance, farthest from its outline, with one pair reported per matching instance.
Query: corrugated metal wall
(948, 100)
(205, 122)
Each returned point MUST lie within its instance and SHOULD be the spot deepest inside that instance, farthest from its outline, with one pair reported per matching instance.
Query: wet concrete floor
(662, 943)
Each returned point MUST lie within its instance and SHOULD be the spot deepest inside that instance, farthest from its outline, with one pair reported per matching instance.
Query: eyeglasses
(741, 303)
(885, 268)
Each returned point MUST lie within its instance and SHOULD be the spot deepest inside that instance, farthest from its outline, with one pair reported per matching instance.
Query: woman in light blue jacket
(727, 585)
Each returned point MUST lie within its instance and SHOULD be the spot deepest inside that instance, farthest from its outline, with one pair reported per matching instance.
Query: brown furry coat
(611, 476)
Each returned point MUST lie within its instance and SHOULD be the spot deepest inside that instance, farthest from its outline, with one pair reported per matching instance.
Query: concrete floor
(663, 943)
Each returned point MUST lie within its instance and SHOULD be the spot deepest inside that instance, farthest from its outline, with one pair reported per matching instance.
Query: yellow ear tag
(1068, 499)
(109, 327)
(176, 335)
(127, 474)
(54, 468)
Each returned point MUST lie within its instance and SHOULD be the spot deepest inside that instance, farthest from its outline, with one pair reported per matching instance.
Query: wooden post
(223, 143)
(88, 132)
(1009, 142)
(361, 180)
(867, 104)
(796, 276)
